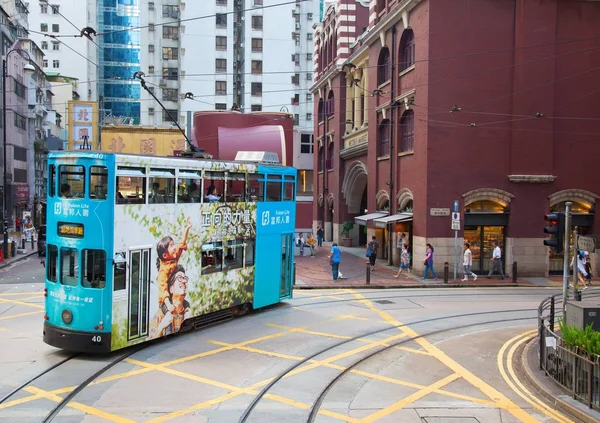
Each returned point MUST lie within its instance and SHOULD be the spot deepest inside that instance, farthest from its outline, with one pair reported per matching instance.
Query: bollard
(445, 272)
(13, 248)
(368, 274)
(514, 272)
(22, 242)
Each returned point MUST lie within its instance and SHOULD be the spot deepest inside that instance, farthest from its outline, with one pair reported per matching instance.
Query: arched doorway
(354, 191)
(486, 221)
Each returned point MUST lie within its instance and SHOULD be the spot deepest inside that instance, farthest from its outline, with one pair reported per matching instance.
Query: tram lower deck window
(52, 263)
(69, 266)
(94, 268)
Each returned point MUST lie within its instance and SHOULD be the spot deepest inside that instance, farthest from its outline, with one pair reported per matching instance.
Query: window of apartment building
(257, 22)
(173, 112)
(221, 65)
(309, 116)
(296, 100)
(44, 27)
(221, 2)
(55, 45)
(309, 16)
(19, 153)
(308, 56)
(55, 28)
(43, 8)
(170, 32)
(45, 63)
(257, 45)
(296, 79)
(306, 144)
(296, 59)
(309, 76)
(383, 138)
(19, 89)
(170, 94)
(296, 119)
(308, 97)
(304, 184)
(151, 27)
(44, 45)
(257, 66)
(170, 73)
(220, 87)
(221, 43)
(170, 11)
(383, 66)
(309, 36)
(256, 108)
(170, 53)
(151, 90)
(221, 106)
(56, 64)
(258, 2)
(407, 49)
(20, 121)
(407, 128)
(150, 69)
(55, 9)
(221, 19)
(256, 89)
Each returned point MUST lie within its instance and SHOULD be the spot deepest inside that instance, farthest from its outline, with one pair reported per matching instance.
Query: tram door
(139, 285)
(287, 265)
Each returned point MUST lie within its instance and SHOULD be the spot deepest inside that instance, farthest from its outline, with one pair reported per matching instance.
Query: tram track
(316, 405)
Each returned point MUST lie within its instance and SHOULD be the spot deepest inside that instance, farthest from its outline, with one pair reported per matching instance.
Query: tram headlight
(67, 316)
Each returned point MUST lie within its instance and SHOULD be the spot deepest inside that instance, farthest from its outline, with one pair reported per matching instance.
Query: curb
(419, 286)
(15, 260)
(533, 380)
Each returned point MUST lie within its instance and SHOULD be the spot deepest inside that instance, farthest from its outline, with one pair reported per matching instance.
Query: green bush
(347, 226)
(587, 339)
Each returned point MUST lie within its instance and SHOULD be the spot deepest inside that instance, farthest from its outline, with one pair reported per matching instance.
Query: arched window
(380, 6)
(407, 49)
(383, 66)
(329, 162)
(329, 108)
(407, 131)
(383, 138)
(321, 110)
(330, 50)
(320, 159)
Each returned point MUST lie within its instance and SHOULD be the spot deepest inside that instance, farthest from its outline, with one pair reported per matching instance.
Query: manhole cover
(383, 302)
(450, 419)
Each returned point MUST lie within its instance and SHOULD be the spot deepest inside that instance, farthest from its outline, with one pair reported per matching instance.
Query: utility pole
(566, 254)
(392, 151)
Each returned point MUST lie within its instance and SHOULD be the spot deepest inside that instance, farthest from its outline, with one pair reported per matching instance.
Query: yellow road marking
(79, 406)
(411, 399)
(524, 392)
(499, 399)
(21, 314)
(4, 300)
(15, 294)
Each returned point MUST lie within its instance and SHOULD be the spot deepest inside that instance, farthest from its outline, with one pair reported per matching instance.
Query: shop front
(400, 224)
(485, 222)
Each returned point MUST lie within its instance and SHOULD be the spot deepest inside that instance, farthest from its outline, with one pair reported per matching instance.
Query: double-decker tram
(140, 247)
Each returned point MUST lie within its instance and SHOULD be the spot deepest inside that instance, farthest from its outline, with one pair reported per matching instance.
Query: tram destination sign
(586, 243)
(70, 230)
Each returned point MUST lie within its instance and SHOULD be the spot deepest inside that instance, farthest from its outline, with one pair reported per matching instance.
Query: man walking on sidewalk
(496, 262)
(467, 263)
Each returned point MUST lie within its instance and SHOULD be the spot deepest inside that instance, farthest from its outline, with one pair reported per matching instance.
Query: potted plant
(347, 226)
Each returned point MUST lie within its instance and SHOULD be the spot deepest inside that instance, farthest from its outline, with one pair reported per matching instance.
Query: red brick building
(491, 103)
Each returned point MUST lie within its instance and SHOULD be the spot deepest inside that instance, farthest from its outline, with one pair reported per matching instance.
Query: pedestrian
(588, 268)
(334, 259)
(310, 241)
(18, 222)
(300, 243)
(496, 262)
(320, 234)
(428, 262)
(404, 262)
(468, 263)
(372, 251)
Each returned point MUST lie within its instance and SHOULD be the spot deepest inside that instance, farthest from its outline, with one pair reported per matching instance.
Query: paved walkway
(315, 272)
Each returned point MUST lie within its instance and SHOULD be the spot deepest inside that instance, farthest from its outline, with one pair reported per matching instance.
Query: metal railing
(574, 370)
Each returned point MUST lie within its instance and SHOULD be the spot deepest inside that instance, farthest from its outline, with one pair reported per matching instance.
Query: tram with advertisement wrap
(141, 247)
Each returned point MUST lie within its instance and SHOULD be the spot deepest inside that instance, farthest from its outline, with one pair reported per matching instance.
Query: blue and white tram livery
(141, 247)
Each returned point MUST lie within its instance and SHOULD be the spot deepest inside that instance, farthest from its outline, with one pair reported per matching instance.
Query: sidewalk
(315, 272)
(20, 255)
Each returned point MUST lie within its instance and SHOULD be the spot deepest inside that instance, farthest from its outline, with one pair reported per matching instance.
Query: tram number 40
(96, 338)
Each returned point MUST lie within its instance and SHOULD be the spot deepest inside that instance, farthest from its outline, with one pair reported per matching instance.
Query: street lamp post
(27, 67)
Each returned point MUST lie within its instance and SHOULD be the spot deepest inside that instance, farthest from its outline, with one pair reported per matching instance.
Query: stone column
(357, 107)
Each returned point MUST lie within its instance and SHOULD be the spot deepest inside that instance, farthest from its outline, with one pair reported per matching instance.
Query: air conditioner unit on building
(297, 25)
(150, 5)
(151, 48)
(163, 83)
(150, 110)
(150, 27)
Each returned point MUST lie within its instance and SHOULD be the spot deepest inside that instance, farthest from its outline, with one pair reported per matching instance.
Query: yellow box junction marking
(496, 396)
(21, 315)
(4, 300)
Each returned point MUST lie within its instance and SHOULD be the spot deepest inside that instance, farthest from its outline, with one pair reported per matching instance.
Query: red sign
(22, 192)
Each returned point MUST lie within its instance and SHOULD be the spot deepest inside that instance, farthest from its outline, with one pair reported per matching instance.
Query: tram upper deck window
(274, 188)
(52, 180)
(94, 268)
(289, 189)
(98, 182)
(256, 187)
(236, 188)
(189, 186)
(162, 186)
(214, 186)
(69, 266)
(131, 185)
(52, 263)
(72, 181)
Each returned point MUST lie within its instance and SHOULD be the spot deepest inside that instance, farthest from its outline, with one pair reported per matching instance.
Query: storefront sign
(586, 243)
(439, 212)
(22, 192)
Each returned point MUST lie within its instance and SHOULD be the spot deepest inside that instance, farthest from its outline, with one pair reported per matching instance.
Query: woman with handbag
(372, 251)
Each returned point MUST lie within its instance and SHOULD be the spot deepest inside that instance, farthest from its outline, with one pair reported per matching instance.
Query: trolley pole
(566, 246)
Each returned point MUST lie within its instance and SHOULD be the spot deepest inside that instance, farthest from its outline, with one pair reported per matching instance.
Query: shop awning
(382, 222)
(362, 220)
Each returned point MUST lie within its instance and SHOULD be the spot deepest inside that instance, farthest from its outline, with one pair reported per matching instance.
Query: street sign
(455, 205)
(456, 221)
(586, 243)
(439, 212)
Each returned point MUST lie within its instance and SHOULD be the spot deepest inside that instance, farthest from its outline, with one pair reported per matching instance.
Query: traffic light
(557, 228)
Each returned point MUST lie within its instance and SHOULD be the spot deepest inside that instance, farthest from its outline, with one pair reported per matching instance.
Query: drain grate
(449, 419)
(383, 302)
